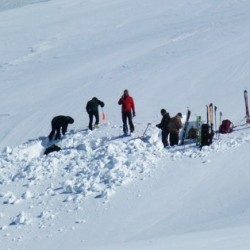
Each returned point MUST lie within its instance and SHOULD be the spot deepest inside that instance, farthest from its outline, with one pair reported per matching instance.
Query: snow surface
(102, 190)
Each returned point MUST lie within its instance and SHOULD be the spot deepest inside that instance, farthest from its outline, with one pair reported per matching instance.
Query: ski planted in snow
(207, 114)
(211, 116)
(185, 127)
(246, 106)
(215, 119)
(220, 117)
(199, 123)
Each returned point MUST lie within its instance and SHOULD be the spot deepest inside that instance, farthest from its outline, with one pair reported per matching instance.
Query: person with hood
(92, 110)
(164, 127)
(174, 126)
(59, 123)
(128, 111)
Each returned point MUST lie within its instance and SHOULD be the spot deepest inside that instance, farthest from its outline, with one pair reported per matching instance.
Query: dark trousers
(127, 116)
(164, 138)
(91, 117)
(53, 131)
(174, 139)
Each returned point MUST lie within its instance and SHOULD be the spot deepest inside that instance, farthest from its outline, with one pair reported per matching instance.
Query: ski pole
(240, 125)
(146, 129)
(220, 117)
(103, 115)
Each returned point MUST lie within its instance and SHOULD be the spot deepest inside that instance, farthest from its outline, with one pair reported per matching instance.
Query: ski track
(7, 4)
(89, 165)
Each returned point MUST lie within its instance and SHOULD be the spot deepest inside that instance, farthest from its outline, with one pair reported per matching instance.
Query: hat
(163, 111)
(125, 92)
(180, 114)
(70, 120)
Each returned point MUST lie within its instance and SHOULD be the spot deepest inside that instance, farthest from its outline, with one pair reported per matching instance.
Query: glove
(133, 114)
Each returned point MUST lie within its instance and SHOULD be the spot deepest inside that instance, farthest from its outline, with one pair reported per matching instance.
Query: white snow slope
(103, 191)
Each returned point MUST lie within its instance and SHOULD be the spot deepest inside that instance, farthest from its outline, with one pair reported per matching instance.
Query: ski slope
(104, 191)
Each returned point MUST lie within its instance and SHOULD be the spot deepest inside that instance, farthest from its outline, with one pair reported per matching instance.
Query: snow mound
(94, 165)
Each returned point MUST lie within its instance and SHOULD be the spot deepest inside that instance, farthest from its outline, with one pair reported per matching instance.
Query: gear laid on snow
(52, 148)
(192, 133)
(207, 130)
(226, 127)
(206, 135)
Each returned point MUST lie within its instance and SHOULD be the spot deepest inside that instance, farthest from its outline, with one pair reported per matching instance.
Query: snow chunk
(27, 195)
(21, 219)
(46, 215)
(7, 150)
(3, 227)
(11, 198)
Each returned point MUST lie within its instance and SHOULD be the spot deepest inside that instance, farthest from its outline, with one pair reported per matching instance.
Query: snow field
(103, 191)
(89, 164)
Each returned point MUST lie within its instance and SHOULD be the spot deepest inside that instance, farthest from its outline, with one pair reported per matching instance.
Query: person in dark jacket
(174, 126)
(58, 123)
(92, 110)
(128, 111)
(164, 127)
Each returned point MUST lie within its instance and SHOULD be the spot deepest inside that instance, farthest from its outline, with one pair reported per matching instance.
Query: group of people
(60, 123)
(170, 126)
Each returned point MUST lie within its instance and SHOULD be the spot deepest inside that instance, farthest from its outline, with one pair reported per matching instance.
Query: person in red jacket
(128, 110)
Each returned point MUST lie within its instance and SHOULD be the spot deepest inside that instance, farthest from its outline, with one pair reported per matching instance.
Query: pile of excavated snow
(90, 164)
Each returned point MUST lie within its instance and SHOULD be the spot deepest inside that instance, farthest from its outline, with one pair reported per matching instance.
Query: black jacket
(61, 121)
(164, 123)
(92, 105)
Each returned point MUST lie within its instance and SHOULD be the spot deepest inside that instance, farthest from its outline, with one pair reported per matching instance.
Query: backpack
(52, 148)
(206, 135)
(192, 134)
(226, 127)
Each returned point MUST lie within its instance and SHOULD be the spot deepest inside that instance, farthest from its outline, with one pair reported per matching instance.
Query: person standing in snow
(164, 127)
(174, 127)
(128, 111)
(92, 110)
(58, 123)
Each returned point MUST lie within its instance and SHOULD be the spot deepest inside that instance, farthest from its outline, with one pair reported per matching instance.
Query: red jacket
(127, 103)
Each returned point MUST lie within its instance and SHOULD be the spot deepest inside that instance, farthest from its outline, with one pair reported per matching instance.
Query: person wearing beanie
(128, 111)
(163, 125)
(174, 127)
